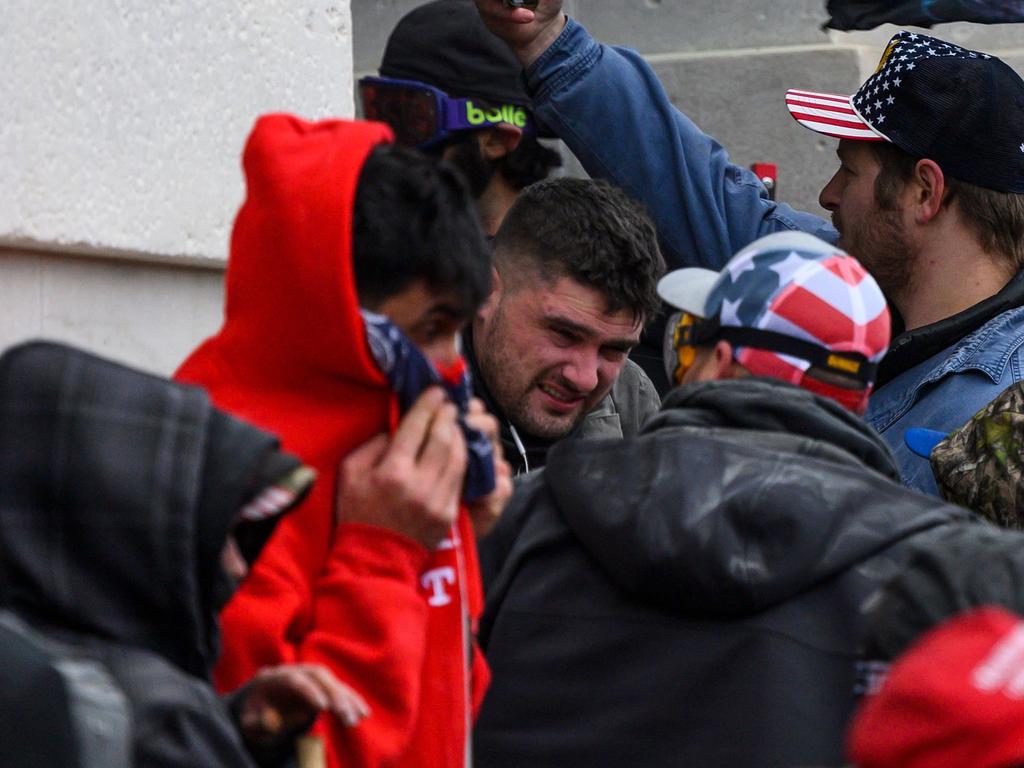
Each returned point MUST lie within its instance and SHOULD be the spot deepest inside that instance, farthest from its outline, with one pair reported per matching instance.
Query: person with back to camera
(693, 596)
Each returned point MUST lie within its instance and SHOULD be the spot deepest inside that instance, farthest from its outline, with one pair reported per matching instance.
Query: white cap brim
(830, 114)
(688, 289)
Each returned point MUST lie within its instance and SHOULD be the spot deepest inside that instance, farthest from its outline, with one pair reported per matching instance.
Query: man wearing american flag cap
(788, 306)
(929, 196)
(696, 590)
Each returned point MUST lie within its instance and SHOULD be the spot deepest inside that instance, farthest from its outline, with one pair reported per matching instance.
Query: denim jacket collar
(986, 350)
(912, 348)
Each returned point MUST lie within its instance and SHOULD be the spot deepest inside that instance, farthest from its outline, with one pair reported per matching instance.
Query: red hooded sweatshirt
(385, 614)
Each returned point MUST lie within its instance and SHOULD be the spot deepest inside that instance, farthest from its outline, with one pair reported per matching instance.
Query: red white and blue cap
(790, 301)
(963, 109)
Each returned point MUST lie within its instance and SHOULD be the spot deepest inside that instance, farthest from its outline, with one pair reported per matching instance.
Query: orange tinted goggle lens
(679, 354)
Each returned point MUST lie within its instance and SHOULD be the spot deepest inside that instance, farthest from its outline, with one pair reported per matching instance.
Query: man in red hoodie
(353, 266)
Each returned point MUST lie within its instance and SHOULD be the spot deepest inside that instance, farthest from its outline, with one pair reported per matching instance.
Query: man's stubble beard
(880, 245)
(494, 358)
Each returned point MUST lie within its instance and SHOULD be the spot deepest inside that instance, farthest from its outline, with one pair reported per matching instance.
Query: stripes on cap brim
(830, 114)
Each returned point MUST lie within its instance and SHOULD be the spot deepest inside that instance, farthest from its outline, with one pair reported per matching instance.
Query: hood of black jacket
(738, 495)
(117, 491)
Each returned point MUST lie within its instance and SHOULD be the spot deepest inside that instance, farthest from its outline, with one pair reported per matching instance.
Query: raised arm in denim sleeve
(609, 108)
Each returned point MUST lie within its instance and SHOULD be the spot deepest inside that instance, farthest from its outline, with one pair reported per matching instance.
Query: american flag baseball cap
(963, 109)
(789, 302)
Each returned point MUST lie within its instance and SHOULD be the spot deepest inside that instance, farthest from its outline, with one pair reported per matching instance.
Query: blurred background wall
(121, 128)
(122, 123)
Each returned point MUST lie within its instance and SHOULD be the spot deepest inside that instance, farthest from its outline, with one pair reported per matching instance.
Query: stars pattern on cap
(905, 52)
(742, 298)
(791, 265)
(731, 310)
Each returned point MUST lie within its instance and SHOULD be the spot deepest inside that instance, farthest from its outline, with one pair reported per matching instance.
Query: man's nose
(582, 372)
(828, 198)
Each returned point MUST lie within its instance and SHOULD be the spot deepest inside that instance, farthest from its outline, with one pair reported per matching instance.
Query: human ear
(928, 187)
(499, 141)
(490, 304)
(721, 359)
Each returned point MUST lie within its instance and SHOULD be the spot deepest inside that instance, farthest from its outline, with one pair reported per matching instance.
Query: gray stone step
(660, 26)
(740, 100)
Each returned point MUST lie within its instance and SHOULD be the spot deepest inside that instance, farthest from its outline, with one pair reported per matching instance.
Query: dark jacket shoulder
(700, 583)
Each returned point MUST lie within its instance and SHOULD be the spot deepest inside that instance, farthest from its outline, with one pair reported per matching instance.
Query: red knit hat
(955, 699)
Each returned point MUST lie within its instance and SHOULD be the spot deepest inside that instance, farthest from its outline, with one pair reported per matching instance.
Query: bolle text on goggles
(422, 115)
(685, 332)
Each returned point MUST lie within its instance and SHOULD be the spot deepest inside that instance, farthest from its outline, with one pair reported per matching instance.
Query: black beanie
(445, 44)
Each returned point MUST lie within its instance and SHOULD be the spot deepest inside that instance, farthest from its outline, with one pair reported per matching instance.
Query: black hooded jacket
(692, 596)
(117, 490)
(963, 569)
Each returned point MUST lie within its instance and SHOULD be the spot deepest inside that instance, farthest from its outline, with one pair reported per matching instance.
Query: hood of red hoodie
(293, 345)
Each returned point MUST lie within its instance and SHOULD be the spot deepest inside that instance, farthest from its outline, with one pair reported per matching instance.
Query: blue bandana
(410, 373)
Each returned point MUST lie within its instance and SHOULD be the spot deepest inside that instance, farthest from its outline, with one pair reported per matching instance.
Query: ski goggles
(678, 351)
(685, 332)
(422, 115)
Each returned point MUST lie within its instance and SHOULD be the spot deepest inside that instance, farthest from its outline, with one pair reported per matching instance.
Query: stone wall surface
(123, 124)
(146, 314)
(124, 121)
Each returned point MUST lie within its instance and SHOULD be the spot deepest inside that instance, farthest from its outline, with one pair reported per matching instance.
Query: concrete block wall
(123, 124)
(149, 315)
(728, 63)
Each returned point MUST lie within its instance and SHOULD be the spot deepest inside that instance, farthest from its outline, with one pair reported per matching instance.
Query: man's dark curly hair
(590, 231)
(414, 219)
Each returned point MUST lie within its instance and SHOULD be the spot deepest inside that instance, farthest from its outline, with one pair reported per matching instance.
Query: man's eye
(614, 354)
(431, 332)
(565, 338)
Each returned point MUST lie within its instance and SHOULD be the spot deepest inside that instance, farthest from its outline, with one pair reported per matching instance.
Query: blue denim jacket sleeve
(609, 108)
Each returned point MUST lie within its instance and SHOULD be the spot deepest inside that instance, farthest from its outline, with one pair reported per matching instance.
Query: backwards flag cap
(787, 302)
(963, 109)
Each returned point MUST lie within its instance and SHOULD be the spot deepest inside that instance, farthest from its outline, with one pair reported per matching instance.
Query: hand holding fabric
(486, 510)
(412, 482)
